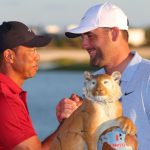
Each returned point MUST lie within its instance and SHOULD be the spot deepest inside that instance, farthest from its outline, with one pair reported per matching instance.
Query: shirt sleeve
(15, 123)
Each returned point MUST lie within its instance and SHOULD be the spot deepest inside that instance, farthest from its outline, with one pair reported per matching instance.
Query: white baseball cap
(102, 15)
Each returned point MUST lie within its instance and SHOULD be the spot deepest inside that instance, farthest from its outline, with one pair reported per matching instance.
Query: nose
(85, 42)
(37, 56)
(101, 91)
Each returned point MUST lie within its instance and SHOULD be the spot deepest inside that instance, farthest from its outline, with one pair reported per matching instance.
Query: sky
(64, 12)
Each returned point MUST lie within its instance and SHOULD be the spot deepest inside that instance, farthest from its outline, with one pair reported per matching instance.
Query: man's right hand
(67, 106)
(127, 125)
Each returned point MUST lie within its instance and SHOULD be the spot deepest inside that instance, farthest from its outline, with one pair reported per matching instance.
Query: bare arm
(63, 110)
(33, 143)
(46, 144)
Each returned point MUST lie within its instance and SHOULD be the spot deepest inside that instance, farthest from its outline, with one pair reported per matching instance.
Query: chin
(34, 75)
(31, 75)
(95, 65)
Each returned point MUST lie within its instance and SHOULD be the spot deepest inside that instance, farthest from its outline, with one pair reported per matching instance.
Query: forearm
(46, 144)
(33, 143)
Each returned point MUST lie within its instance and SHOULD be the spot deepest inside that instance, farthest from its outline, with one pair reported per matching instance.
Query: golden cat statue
(95, 124)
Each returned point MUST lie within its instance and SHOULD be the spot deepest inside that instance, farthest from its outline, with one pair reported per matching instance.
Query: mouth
(100, 99)
(103, 99)
(36, 67)
(92, 52)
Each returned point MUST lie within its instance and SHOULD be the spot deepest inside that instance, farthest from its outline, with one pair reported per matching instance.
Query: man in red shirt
(18, 61)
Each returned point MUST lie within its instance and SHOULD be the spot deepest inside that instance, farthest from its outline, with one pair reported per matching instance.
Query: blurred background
(63, 61)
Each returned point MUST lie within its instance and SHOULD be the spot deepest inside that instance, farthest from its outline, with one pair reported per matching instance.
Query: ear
(88, 75)
(8, 56)
(116, 76)
(115, 33)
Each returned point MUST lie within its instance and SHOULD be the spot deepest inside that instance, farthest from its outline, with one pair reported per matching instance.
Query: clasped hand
(68, 105)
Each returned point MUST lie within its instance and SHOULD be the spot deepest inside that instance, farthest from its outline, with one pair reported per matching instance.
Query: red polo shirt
(15, 123)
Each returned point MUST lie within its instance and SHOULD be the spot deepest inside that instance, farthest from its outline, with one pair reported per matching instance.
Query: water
(45, 90)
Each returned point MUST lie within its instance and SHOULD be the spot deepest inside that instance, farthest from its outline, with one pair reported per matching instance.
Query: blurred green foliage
(61, 41)
(72, 65)
(147, 35)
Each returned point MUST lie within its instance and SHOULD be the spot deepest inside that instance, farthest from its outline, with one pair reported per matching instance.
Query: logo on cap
(29, 30)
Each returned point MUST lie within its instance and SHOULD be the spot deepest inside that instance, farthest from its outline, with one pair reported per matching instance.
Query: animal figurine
(98, 120)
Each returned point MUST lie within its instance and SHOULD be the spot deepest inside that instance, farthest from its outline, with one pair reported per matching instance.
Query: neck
(119, 65)
(19, 81)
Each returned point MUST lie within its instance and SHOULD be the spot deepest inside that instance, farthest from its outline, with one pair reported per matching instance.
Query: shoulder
(145, 62)
(143, 75)
(4, 89)
(144, 66)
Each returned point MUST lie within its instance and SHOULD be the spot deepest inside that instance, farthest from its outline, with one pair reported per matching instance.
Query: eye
(90, 35)
(33, 50)
(106, 81)
(93, 82)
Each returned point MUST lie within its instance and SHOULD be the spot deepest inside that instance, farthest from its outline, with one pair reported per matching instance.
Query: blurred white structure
(53, 29)
(137, 37)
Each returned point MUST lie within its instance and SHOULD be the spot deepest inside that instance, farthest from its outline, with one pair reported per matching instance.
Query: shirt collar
(131, 67)
(10, 83)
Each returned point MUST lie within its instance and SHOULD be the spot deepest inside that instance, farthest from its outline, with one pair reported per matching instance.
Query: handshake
(95, 122)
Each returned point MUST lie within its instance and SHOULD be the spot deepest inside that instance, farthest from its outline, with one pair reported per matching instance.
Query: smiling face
(26, 61)
(98, 44)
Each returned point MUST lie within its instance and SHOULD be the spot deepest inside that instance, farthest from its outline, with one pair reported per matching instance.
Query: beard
(97, 60)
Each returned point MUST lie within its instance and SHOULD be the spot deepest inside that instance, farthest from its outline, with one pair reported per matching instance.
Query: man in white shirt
(104, 32)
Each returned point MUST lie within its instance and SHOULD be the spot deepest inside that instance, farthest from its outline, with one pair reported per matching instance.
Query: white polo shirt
(135, 84)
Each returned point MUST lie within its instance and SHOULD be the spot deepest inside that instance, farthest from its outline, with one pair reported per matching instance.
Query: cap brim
(76, 32)
(38, 41)
(72, 35)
